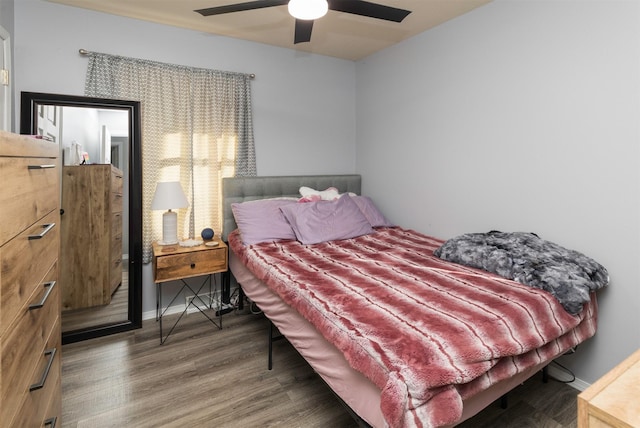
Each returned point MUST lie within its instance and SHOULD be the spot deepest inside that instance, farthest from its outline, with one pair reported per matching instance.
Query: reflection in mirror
(101, 198)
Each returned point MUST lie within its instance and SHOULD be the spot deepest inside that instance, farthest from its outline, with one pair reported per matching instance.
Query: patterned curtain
(196, 128)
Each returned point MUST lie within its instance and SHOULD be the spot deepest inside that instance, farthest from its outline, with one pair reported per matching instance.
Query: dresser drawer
(190, 264)
(34, 192)
(116, 202)
(54, 410)
(43, 403)
(14, 145)
(116, 223)
(116, 180)
(116, 246)
(24, 263)
(116, 190)
(22, 358)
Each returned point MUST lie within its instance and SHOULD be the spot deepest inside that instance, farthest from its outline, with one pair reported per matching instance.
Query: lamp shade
(308, 9)
(169, 195)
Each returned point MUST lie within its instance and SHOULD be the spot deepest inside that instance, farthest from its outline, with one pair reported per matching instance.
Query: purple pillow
(262, 220)
(371, 212)
(321, 221)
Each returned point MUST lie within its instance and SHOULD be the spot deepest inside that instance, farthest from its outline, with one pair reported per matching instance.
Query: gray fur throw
(568, 275)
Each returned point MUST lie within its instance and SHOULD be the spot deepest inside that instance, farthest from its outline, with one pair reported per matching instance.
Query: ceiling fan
(306, 11)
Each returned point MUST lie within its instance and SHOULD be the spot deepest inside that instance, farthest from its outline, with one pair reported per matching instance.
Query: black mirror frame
(28, 125)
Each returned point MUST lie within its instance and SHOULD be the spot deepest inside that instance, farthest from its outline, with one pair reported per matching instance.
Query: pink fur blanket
(427, 332)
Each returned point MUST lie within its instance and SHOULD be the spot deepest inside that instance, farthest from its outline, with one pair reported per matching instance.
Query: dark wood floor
(204, 377)
(116, 310)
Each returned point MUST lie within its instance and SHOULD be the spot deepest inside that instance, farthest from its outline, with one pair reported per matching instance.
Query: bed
(384, 378)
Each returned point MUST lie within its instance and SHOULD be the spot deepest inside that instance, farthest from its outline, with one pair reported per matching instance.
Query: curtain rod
(86, 52)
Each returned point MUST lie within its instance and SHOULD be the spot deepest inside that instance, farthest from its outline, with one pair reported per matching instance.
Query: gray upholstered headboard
(241, 189)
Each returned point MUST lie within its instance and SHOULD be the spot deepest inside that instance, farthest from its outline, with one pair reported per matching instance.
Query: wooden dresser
(30, 337)
(91, 236)
(613, 400)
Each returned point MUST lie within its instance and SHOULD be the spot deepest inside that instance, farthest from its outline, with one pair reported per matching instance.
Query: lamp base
(168, 243)
(169, 228)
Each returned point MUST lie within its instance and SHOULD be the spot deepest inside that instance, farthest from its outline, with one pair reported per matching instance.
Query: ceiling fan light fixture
(308, 9)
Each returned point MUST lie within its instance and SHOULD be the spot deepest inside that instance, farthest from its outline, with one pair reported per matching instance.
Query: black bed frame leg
(504, 402)
(226, 287)
(240, 298)
(270, 364)
(272, 339)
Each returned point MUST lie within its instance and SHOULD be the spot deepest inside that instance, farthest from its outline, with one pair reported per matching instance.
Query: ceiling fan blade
(371, 10)
(239, 7)
(303, 31)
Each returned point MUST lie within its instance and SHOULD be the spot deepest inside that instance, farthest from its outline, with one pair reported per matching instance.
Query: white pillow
(309, 195)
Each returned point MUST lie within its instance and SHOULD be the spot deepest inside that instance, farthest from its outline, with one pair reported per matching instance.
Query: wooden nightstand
(172, 263)
(612, 401)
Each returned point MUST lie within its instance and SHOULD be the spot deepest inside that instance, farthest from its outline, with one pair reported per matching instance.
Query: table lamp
(168, 196)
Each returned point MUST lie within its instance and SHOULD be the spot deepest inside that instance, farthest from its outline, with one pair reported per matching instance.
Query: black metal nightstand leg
(226, 287)
(196, 295)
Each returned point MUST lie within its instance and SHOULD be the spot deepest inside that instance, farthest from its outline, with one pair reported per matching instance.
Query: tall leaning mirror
(100, 265)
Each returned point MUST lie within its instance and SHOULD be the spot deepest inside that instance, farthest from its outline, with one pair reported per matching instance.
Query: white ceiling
(337, 34)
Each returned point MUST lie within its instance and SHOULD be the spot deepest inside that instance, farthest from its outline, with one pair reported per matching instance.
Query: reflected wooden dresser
(91, 259)
(30, 337)
(613, 400)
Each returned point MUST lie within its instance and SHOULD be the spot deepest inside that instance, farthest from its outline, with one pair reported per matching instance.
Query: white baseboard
(151, 315)
(558, 373)
(177, 308)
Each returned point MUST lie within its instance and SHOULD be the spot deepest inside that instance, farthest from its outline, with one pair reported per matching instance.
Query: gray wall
(6, 15)
(303, 104)
(518, 116)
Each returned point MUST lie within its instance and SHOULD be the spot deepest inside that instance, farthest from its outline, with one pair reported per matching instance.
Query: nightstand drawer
(190, 264)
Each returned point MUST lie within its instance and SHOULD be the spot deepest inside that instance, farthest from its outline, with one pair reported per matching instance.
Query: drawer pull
(193, 265)
(51, 422)
(40, 166)
(49, 286)
(52, 354)
(47, 229)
